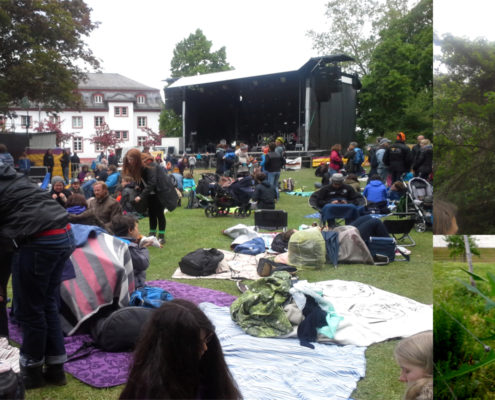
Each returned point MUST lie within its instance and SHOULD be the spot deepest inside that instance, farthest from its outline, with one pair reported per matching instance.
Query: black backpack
(165, 187)
(11, 385)
(201, 262)
(120, 331)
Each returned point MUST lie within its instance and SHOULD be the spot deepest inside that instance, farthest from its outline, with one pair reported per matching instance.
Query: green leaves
(193, 56)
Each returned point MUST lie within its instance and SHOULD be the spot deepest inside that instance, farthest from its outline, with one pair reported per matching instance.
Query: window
(77, 144)
(142, 122)
(25, 121)
(54, 119)
(98, 147)
(124, 135)
(120, 111)
(77, 122)
(141, 99)
(99, 121)
(98, 98)
(141, 140)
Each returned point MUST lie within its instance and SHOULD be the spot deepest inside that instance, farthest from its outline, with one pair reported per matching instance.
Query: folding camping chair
(399, 226)
(270, 220)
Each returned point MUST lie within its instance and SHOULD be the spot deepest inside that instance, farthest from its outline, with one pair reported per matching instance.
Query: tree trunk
(469, 257)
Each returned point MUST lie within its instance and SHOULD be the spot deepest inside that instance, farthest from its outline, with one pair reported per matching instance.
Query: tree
(397, 93)
(105, 137)
(152, 138)
(457, 246)
(42, 51)
(170, 123)
(54, 126)
(354, 28)
(464, 120)
(193, 56)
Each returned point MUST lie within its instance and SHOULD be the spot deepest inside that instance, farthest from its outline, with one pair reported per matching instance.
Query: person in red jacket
(336, 163)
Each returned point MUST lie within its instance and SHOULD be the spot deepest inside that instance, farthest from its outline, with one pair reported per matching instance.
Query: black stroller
(236, 196)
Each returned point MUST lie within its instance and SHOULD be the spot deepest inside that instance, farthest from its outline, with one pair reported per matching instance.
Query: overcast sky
(465, 18)
(137, 38)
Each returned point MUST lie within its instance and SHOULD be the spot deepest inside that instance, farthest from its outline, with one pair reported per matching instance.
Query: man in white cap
(337, 192)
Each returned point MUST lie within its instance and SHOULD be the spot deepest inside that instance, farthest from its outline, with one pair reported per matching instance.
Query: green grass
(469, 310)
(188, 230)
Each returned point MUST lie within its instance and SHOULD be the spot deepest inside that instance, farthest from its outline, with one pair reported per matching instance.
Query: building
(312, 106)
(126, 106)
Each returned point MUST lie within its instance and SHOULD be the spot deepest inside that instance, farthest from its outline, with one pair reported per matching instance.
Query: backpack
(165, 187)
(149, 296)
(251, 247)
(11, 384)
(201, 262)
(373, 159)
(288, 185)
(359, 156)
(120, 331)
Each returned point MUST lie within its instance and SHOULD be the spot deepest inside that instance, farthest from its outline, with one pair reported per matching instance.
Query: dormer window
(98, 98)
(141, 99)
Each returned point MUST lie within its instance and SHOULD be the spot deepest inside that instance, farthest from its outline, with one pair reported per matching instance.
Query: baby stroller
(418, 200)
(236, 195)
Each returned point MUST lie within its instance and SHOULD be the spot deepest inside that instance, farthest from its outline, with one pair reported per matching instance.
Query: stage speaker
(327, 80)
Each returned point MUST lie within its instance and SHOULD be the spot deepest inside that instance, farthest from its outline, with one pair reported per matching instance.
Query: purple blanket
(102, 369)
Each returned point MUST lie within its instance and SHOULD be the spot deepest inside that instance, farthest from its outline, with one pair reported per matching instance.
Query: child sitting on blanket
(415, 358)
(126, 228)
(179, 356)
(264, 194)
(189, 188)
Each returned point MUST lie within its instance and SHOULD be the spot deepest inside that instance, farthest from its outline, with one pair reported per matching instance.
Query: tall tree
(193, 56)
(41, 49)
(465, 130)
(397, 94)
(354, 28)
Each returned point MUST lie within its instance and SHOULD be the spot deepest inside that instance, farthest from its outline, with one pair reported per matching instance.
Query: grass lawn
(188, 230)
(459, 347)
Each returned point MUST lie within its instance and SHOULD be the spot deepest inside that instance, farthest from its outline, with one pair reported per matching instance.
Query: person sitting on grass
(77, 207)
(396, 191)
(352, 180)
(179, 356)
(376, 194)
(59, 193)
(415, 358)
(126, 228)
(264, 194)
(128, 192)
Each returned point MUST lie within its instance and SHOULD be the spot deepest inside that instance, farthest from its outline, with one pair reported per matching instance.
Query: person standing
(192, 163)
(48, 161)
(398, 157)
(64, 163)
(423, 165)
(415, 153)
(41, 242)
(382, 169)
(336, 163)
(146, 177)
(273, 165)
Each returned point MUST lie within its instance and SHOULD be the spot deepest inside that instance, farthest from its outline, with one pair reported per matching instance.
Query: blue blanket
(281, 369)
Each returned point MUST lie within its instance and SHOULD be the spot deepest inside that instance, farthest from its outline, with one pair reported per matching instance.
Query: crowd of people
(35, 246)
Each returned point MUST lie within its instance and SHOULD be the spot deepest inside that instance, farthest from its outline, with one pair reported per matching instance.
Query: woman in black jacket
(48, 161)
(424, 161)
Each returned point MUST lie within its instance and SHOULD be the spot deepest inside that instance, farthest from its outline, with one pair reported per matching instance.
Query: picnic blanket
(103, 272)
(371, 315)
(267, 368)
(234, 266)
(103, 369)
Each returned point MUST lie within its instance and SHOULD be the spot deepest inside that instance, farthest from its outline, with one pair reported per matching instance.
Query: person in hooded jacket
(264, 194)
(424, 160)
(41, 242)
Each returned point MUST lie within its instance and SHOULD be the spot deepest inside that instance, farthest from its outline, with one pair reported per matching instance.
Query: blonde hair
(425, 142)
(422, 389)
(444, 214)
(417, 350)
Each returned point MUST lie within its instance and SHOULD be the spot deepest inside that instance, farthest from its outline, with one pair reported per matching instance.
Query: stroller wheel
(247, 212)
(211, 211)
(420, 226)
(238, 213)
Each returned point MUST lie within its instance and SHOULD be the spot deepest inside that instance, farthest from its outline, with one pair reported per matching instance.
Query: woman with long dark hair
(144, 174)
(179, 356)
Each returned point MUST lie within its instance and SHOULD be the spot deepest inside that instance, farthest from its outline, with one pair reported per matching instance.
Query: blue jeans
(87, 188)
(36, 271)
(66, 174)
(272, 178)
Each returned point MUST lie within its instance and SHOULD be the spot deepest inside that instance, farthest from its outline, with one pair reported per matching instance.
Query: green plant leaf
(475, 277)
(490, 358)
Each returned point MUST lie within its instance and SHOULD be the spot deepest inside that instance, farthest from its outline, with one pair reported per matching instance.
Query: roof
(293, 66)
(109, 81)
